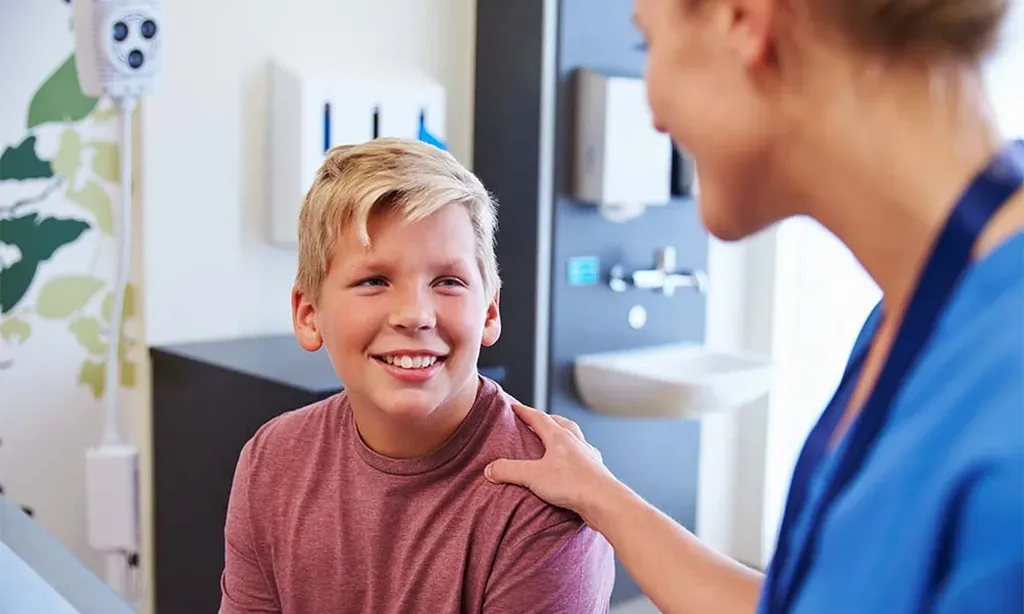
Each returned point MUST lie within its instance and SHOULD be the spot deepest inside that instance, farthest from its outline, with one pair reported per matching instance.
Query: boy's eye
(373, 281)
(451, 281)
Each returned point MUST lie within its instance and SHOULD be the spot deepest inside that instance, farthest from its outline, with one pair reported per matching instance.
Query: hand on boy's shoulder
(549, 558)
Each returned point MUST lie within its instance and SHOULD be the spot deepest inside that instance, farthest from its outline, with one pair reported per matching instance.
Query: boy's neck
(400, 438)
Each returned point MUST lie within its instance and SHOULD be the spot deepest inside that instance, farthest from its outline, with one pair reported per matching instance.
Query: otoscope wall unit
(314, 108)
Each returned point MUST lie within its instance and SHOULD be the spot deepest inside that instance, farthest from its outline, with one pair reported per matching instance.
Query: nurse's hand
(570, 474)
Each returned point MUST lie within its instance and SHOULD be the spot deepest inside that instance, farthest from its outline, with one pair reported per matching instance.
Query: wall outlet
(313, 109)
(112, 498)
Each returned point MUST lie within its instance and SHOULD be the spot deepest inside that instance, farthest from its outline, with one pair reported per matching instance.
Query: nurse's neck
(903, 150)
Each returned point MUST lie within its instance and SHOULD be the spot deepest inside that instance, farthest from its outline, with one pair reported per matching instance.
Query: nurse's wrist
(604, 501)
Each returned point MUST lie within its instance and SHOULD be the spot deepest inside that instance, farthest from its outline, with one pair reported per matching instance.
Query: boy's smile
(411, 365)
(403, 322)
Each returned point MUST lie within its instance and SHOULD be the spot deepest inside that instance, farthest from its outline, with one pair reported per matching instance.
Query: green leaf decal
(60, 297)
(105, 160)
(96, 201)
(107, 310)
(38, 238)
(93, 374)
(14, 328)
(60, 99)
(21, 162)
(69, 154)
(87, 332)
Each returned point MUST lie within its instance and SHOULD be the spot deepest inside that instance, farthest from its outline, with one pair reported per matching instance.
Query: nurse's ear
(748, 25)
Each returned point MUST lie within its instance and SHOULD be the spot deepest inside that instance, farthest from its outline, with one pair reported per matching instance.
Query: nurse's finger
(507, 471)
(540, 422)
(569, 425)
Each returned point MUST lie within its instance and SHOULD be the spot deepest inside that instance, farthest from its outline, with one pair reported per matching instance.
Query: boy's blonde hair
(404, 175)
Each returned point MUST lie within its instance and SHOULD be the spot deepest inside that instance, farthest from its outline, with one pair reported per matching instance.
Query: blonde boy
(374, 501)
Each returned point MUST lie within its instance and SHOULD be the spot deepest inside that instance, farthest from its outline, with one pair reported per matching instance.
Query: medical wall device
(119, 56)
(118, 48)
(314, 107)
(621, 163)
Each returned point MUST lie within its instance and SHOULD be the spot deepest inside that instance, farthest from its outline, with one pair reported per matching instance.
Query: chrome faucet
(663, 278)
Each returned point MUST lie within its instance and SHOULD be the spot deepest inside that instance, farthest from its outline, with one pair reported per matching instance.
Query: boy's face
(403, 321)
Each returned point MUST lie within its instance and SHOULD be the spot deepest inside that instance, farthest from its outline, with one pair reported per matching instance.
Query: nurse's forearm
(673, 568)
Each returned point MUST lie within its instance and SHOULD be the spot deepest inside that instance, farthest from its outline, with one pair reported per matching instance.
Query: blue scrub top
(934, 520)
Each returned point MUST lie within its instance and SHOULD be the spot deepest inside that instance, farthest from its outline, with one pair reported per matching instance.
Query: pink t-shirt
(319, 523)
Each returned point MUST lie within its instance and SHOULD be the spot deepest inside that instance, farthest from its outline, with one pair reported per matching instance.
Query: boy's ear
(492, 322)
(304, 321)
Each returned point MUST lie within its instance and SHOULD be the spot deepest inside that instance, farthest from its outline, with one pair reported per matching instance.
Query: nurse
(870, 117)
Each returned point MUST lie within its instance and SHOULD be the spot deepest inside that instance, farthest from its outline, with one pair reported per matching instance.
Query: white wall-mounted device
(118, 46)
(118, 56)
(314, 108)
(621, 162)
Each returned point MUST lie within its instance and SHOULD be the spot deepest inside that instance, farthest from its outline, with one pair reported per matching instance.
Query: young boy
(374, 500)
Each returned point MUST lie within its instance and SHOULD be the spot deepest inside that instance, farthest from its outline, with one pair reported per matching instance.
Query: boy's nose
(413, 311)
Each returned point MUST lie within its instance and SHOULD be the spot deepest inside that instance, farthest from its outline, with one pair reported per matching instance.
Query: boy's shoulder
(511, 438)
(508, 436)
(290, 436)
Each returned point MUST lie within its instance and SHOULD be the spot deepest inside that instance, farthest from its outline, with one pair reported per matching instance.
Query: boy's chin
(408, 404)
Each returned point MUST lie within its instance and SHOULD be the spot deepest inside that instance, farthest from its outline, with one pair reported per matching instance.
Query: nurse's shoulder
(972, 375)
(964, 406)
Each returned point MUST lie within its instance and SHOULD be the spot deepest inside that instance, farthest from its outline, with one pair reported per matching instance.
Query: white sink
(670, 381)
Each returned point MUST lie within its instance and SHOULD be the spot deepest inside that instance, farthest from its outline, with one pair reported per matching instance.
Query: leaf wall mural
(80, 179)
(37, 238)
(21, 162)
(60, 99)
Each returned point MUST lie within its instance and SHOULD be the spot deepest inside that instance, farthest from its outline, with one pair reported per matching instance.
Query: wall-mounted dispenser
(313, 108)
(621, 163)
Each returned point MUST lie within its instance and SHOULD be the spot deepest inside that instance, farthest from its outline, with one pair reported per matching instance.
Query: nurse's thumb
(507, 471)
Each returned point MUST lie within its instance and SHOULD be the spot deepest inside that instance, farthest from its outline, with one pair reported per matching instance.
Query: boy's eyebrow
(450, 264)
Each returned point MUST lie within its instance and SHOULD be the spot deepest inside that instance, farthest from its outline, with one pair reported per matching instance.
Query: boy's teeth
(411, 362)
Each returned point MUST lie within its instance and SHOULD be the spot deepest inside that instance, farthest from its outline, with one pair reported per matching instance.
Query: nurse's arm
(673, 568)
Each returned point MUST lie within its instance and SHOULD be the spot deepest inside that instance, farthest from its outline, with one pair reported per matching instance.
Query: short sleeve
(983, 565)
(552, 563)
(245, 588)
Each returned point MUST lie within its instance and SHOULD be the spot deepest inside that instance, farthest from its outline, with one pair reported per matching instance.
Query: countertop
(276, 358)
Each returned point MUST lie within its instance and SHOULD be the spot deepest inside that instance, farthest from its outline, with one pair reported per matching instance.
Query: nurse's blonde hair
(961, 31)
(404, 175)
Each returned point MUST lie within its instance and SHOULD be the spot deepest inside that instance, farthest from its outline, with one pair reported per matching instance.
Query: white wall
(213, 273)
(1003, 75)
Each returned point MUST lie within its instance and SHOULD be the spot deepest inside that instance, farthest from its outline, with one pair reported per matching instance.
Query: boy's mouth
(410, 361)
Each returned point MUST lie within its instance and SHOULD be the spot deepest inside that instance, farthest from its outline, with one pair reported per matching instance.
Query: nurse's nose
(413, 310)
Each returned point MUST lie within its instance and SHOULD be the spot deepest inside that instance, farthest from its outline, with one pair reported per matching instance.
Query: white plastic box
(620, 159)
(315, 107)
